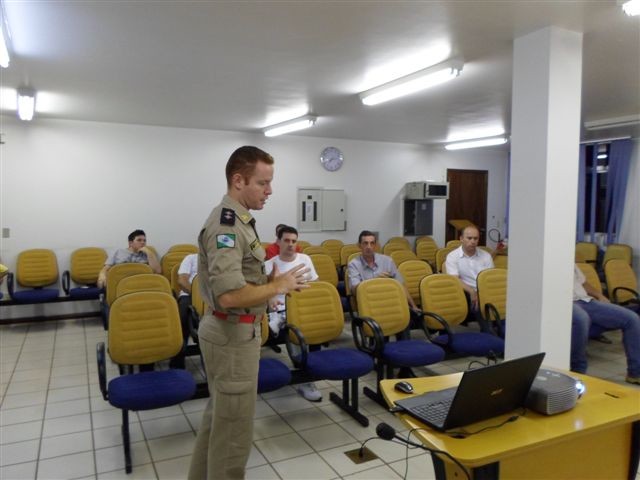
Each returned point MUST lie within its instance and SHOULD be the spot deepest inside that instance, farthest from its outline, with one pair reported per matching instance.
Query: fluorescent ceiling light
(479, 142)
(26, 103)
(602, 156)
(631, 7)
(414, 82)
(299, 123)
(612, 122)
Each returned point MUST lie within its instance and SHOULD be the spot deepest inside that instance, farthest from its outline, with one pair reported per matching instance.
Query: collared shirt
(468, 267)
(579, 293)
(231, 255)
(360, 270)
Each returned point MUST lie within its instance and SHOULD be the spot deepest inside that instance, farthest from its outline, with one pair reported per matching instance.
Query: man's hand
(473, 296)
(384, 275)
(294, 279)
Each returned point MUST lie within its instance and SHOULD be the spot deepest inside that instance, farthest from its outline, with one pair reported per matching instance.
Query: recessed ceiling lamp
(630, 7)
(26, 103)
(299, 123)
(612, 122)
(478, 142)
(413, 82)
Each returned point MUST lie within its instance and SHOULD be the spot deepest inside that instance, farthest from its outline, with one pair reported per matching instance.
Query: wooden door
(467, 200)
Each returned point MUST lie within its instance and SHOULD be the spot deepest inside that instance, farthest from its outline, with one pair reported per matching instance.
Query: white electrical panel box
(321, 210)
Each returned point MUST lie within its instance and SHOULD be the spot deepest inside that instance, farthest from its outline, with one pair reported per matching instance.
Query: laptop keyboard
(436, 413)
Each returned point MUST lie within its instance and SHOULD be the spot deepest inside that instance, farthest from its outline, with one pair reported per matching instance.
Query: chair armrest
(373, 345)
(442, 322)
(299, 361)
(625, 289)
(102, 370)
(66, 281)
(10, 284)
(493, 317)
(194, 323)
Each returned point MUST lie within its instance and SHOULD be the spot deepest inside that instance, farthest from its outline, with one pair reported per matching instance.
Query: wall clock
(331, 158)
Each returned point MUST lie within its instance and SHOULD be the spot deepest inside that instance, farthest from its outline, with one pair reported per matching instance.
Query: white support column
(545, 129)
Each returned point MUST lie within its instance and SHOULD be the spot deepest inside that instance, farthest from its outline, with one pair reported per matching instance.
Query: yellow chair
(346, 251)
(169, 260)
(425, 238)
(183, 247)
(590, 274)
(143, 282)
(155, 251)
(413, 271)
(445, 307)
(325, 268)
(501, 261)
(333, 246)
(389, 248)
(314, 249)
(114, 275)
(84, 268)
(401, 240)
(175, 286)
(302, 244)
(383, 312)
(441, 257)
(492, 298)
(144, 328)
(314, 318)
(35, 269)
(619, 251)
(426, 250)
(400, 256)
(453, 243)
(586, 252)
(622, 283)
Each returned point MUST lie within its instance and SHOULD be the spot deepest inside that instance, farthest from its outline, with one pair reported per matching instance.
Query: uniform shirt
(468, 267)
(231, 255)
(124, 255)
(283, 267)
(188, 266)
(359, 269)
(579, 293)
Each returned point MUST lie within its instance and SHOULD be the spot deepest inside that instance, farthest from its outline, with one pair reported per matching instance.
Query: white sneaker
(310, 392)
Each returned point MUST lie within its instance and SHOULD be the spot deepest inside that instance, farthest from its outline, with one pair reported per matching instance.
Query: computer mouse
(404, 387)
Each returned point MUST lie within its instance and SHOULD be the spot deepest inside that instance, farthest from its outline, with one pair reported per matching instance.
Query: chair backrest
(264, 329)
(402, 240)
(325, 268)
(443, 295)
(169, 260)
(333, 246)
(175, 286)
(85, 265)
(618, 273)
(347, 287)
(144, 327)
(590, 274)
(143, 282)
(317, 312)
(441, 257)
(314, 249)
(197, 301)
(155, 251)
(619, 251)
(384, 300)
(400, 256)
(453, 243)
(389, 248)
(426, 238)
(501, 261)
(492, 289)
(426, 250)
(120, 271)
(586, 252)
(346, 251)
(37, 267)
(302, 244)
(413, 271)
(183, 247)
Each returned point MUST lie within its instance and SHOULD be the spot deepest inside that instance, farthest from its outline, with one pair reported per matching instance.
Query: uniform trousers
(231, 354)
(609, 316)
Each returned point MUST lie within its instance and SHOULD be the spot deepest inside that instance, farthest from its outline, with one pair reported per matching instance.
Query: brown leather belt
(241, 318)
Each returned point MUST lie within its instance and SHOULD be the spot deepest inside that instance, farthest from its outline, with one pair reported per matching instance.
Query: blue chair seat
(412, 353)
(338, 364)
(149, 390)
(85, 293)
(476, 344)
(272, 375)
(36, 295)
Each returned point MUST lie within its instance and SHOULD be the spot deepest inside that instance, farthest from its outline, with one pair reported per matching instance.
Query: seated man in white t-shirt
(285, 261)
(187, 270)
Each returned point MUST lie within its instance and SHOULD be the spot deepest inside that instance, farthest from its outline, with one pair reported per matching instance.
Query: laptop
(481, 394)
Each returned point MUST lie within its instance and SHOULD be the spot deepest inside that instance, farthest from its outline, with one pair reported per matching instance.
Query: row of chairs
(587, 252)
(37, 270)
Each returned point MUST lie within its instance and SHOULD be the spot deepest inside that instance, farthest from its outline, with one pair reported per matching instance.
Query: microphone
(387, 432)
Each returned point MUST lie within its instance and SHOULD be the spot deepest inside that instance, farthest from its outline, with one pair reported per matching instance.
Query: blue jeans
(611, 317)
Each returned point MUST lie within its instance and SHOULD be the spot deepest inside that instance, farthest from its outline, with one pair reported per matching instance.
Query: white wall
(68, 184)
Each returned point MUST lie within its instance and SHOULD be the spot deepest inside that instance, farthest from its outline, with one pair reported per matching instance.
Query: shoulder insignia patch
(228, 217)
(245, 218)
(226, 240)
(254, 245)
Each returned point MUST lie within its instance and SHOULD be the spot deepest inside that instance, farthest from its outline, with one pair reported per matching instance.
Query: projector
(553, 392)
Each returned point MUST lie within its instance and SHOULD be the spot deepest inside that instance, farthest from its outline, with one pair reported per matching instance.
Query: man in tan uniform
(236, 290)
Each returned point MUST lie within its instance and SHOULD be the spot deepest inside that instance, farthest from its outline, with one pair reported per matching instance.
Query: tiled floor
(55, 424)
